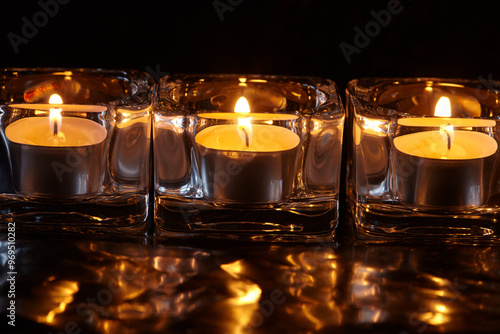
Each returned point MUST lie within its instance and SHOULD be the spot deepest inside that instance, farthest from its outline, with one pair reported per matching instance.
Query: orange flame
(55, 118)
(244, 124)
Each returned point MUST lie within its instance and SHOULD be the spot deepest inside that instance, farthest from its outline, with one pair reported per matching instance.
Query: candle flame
(244, 123)
(242, 106)
(443, 107)
(55, 118)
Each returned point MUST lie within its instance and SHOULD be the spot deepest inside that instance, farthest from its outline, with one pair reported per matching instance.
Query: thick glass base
(393, 223)
(122, 214)
(301, 223)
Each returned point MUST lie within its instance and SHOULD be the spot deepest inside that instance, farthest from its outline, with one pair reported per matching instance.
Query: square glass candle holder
(75, 150)
(423, 159)
(247, 157)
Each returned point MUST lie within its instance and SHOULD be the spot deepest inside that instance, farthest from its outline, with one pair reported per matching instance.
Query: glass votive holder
(423, 159)
(74, 149)
(252, 157)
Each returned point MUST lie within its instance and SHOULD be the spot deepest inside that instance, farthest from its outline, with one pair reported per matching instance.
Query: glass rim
(333, 103)
(369, 107)
(142, 80)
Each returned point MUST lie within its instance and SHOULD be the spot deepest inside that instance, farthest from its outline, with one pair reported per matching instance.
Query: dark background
(299, 37)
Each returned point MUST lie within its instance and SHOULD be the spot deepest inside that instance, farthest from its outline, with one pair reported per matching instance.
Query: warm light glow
(375, 126)
(245, 292)
(55, 118)
(242, 82)
(250, 295)
(441, 308)
(244, 123)
(443, 107)
(233, 268)
(242, 106)
(58, 295)
(55, 99)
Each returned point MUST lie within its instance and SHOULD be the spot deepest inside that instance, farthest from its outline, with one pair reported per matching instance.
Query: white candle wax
(265, 138)
(430, 144)
(36, 131)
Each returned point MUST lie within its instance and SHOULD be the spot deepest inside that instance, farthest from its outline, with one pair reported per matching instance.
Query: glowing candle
(444, 167)
(56, 156)
(246, 162)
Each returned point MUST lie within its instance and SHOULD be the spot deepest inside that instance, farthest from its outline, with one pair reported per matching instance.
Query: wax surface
(439, 121)
(36, 131)
(265, 138)
(430, 144)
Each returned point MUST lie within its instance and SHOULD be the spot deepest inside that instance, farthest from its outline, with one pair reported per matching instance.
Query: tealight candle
(245, 162)
(444, 167)
(56, 156)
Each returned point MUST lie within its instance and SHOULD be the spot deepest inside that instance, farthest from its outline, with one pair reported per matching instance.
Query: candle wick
(449, 139)
(247, 139)
(56, 130)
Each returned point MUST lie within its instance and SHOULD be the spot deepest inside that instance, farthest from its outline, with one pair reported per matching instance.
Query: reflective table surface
(67, 284)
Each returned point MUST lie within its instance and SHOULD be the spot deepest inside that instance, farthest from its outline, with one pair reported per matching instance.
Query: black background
(299, 37)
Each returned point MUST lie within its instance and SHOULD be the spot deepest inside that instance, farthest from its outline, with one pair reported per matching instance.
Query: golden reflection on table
(139, 286)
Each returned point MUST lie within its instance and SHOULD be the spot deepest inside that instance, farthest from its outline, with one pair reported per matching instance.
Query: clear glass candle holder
(74, 149)
(247, 157)
(423, 158)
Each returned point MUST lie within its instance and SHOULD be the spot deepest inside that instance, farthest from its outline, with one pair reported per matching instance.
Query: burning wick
(56, 130)
(55, 117)
(449, 139)
(247, 139)
(448, 130)
(244, 123)
(443, 109)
